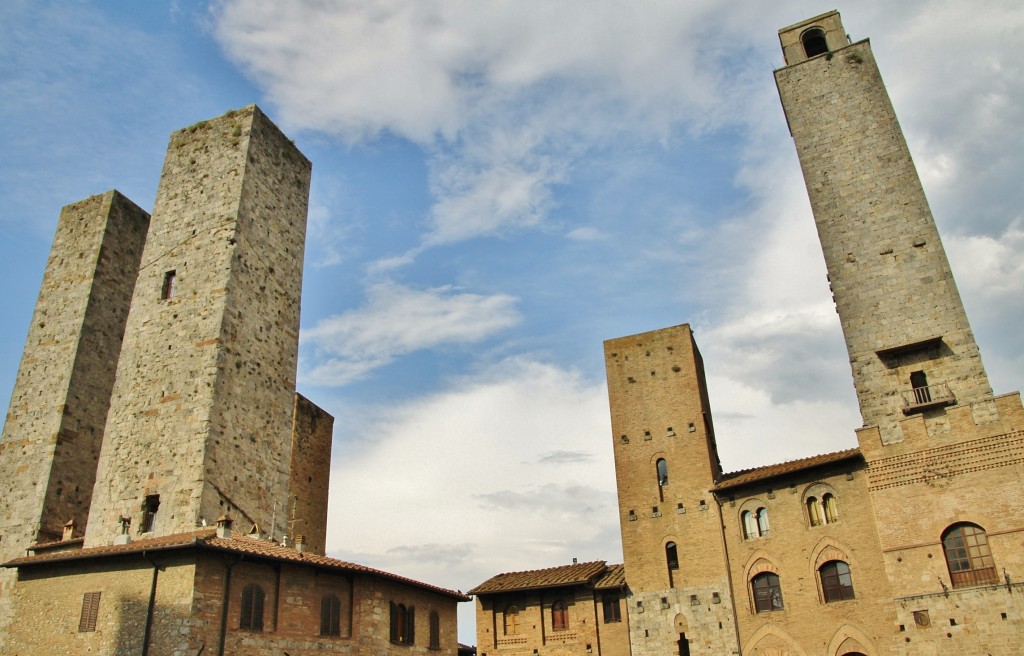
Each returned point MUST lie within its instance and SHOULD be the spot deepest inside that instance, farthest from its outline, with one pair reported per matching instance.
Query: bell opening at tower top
(814, 42)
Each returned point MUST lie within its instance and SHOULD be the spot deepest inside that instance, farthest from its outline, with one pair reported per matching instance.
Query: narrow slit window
(149, 507)
(167, 290)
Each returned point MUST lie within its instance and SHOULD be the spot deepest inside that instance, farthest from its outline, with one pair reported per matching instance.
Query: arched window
(435, 630)
(402, 624)
(662, 471)
(814, 511)
(251, 617)
(828, 501)
(511, 619)
(559, 616)
(762, 521)
(836, 583)
(330, 615)
(814, 42)
(968, 555)
(767, 592)
(671, 555)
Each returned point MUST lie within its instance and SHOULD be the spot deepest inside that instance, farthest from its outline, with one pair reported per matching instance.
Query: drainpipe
(152, 605)
(224, 605)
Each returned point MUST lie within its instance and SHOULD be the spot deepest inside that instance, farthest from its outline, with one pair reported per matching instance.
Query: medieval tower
(908, 544)
(666, 464)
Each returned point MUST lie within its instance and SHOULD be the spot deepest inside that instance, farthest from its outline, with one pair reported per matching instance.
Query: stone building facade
(909, 543)
(156, 396)
(562, 611)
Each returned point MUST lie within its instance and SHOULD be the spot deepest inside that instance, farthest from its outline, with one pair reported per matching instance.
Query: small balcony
(920, 399)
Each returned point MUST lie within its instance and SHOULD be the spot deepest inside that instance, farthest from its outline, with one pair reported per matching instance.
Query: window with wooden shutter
(330, 615)
(90, 611)
(251, 616)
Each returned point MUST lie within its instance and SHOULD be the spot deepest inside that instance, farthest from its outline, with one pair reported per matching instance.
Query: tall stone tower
(200, 421)
(666, 463)
(911, 348)
(54, 427)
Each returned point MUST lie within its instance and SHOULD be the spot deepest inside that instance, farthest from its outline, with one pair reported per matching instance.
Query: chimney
(124, 536)
(300, 543)
(224, 527)
(69, 531)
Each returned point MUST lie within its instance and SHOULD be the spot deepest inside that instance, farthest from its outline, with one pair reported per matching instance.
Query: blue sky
(498, 188)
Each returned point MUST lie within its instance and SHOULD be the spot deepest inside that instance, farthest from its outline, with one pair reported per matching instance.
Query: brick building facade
(908, 544)
(155, 397)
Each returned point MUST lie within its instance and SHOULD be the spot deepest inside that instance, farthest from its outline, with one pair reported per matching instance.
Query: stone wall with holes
(201, 412)
(310, 474)
(890, 278)
(533, 633)
(794, 547)
(660, 411)
(54, 426)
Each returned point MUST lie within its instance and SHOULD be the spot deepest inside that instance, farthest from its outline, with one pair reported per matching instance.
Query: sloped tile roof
(745, 476)
(575, 574)
(207, 539)
(614, 577)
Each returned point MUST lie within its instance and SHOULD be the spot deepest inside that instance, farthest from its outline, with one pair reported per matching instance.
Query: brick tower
(200, 420)
(943, 454)
(666, 463)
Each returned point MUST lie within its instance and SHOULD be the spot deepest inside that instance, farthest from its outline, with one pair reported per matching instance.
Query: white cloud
(508, 470)
(399, 320)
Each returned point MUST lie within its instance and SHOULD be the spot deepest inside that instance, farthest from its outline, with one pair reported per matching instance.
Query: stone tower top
(813, 37)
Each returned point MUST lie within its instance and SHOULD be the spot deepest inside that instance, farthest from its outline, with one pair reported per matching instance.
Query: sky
(498, 187)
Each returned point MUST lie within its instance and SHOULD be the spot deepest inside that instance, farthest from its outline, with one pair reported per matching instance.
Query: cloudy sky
(499, 187)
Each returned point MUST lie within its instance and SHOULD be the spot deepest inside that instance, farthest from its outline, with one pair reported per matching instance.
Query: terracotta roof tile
(745, 476)
(575, 574)
(207, 539)
(614, 577)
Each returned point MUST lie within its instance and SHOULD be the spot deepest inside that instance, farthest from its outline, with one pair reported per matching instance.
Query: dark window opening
(167, 290)
(836, 583)
(672, 555)
(814, 42)
(435, 630)
(90, 611)
(251, 617)
(684, 645)
(919, 383)
(402, 624)
(330, 615)
(767, 592)
(612, 610)
(149, 507)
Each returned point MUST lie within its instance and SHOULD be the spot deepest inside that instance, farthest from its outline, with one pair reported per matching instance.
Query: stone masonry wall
(201, 414)
(660, 410)
(54, 426)
(890, 278)
(312, 431)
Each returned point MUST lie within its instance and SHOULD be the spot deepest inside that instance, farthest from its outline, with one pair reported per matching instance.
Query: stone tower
(911, 348)
(666, 463)
(201, 414)
(54, 427)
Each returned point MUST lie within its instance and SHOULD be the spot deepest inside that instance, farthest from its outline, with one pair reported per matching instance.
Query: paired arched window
(822, 511)
(251, 617)
(403, 630)
(559, 616)
(767, 592)
(435, 630)
(755, 523)
(814, 42)
(968, 555)
(330, 615)
(836, 582)
(511, 616)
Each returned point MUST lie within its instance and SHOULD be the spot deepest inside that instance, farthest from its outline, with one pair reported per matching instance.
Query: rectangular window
(612, 611)
(90, 611)
(167, 291)
(149, 507)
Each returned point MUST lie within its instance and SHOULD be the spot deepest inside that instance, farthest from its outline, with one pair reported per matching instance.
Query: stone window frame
(821, 505)
(753, 519)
